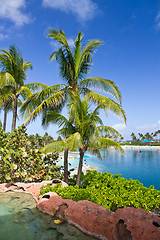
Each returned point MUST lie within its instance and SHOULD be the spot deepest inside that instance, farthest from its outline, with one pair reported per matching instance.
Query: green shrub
(110, 191)
(19, 161)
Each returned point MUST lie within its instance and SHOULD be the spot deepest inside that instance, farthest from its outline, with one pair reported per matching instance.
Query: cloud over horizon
(126, 131)
(83, 9)
(12, 10)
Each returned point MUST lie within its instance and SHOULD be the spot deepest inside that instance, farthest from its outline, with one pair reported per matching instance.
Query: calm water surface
(21, 220)
(144, 166)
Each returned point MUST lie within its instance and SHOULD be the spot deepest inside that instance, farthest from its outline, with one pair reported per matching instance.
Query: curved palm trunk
(5, 119)
(66, 165)
(81, 152)
(14, 114)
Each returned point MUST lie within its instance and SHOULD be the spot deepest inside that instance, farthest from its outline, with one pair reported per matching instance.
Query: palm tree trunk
(14, 114)
(81, 152)
(5, 119)
(66, 165)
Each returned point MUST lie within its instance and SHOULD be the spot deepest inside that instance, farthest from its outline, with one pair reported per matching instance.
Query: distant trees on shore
(148, 136)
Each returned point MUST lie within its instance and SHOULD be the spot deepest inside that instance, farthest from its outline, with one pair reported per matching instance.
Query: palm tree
(134, 139)
(148, 136)
(5, 104)
(87, 135)
(13, 75)
(74, 65)
(54, 117)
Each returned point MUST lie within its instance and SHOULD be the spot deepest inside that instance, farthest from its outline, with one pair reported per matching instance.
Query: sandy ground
(85, 168)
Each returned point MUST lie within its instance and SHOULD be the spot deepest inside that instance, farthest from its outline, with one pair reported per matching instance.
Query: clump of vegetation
(110, 191)
(22, 161)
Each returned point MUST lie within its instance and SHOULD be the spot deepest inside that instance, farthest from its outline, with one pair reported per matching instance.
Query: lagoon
(143, 166)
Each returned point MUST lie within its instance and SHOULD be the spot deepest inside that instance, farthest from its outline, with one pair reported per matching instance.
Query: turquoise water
(144, 166)
(21, 220)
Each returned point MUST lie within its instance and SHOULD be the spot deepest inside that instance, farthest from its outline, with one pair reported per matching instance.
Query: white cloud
(159, 122)
(83, 9)
(3, 36)
(55, 45)
(158, 21)
(71, 42)
(119, 126)
(12, 9)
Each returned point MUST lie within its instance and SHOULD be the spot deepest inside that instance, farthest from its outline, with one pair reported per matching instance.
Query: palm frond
(109, 104)
(25, 92)
(52, 116)
(100, 143)
(101, 84)
(54, 101)
(85, 59)
(7, 80)
(95, 152)
(37, 98)
(59, 36)
(36, 86)
(52, 147)
(74, 141)
(106, 130)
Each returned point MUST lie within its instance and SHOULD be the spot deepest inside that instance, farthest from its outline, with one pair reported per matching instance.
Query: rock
(89, 217)
(32, 188)
(136, 224)
(50, 203)
(124, 224)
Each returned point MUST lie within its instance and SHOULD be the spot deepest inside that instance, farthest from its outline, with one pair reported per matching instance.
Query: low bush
(110, 191)
(19, 161)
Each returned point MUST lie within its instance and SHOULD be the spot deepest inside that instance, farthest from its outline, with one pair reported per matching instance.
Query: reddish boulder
(124, 224)
(50, 203)
(90, 218)
(135, 224)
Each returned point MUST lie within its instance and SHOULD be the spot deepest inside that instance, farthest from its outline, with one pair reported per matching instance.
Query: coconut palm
(5, 104)
(54, 117)
(13, 75)
(74, 65)
(88, 131)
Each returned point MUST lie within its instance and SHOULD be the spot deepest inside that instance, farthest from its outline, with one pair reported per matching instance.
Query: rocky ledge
(124, 224)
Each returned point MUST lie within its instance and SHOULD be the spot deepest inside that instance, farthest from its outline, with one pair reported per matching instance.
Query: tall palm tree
(87, 135)
(13, 75)
(74, 65)
(54, 117)
(5, 103)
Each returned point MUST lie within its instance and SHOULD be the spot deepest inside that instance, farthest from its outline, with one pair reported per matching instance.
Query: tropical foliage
(152, 138)
(82, 130)
(110, 191)
(21, 162)
(40, 141)
(74, 65)
(12, 77)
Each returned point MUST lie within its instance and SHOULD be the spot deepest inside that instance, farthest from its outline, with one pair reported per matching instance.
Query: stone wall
(124, 224)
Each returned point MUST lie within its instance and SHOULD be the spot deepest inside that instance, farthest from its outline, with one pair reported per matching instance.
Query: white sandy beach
(140, 147)
(85, 168)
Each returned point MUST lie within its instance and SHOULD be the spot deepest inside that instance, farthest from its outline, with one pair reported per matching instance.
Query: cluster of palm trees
(13, 90)
(83, 127)
(147, 136)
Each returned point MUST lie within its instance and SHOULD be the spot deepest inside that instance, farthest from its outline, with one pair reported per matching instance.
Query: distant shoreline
(140, 147)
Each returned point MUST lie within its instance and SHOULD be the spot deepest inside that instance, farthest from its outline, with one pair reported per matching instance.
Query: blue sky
(130, 56)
